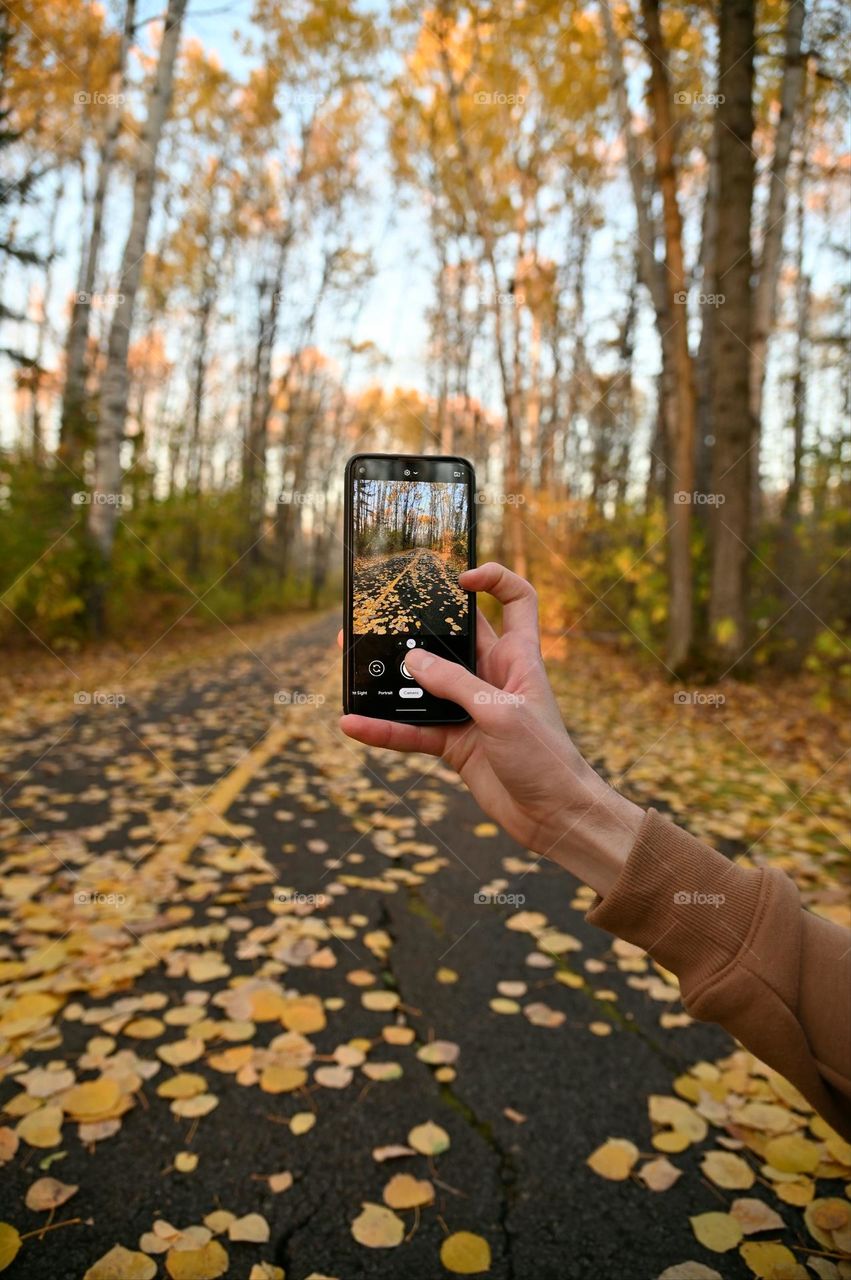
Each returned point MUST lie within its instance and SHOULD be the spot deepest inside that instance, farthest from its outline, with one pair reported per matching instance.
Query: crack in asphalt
(506, 1165)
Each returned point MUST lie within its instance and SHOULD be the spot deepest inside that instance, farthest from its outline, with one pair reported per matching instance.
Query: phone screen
(409, 536)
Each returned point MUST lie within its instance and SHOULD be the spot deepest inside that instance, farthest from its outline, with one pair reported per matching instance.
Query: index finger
(517, 596)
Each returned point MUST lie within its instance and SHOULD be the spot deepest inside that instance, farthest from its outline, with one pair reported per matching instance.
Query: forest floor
(248, 985)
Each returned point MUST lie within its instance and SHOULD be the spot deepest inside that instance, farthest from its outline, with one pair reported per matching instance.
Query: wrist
(595, 834)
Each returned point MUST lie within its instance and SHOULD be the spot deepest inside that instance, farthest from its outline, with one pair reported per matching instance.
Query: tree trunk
(731, 420)
(792, 502)
(73, 422)
(513, 539)
(103, 513)
(681, 411)
(765, 295)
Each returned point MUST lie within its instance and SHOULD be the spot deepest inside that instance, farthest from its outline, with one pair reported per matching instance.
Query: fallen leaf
(48, 1193)
(659, 1174)
(282, 1079)
(614, 1159)
(429, 1139)
(770, 1260)
(465, 1254)
(792, 1153)
(253, 1227)
(403, 1191)
(42, 1128)
(392, 1152)
(728, 1171)
(280, 1181)
(122, 1264)
(378, 1227)
(10, 1243)
(755, 1215)
(717, 1231)
(207, 1263)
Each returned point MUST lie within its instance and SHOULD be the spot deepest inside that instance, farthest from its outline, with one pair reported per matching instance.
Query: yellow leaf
(252, 1227)
(796, 1193)
(671, 1141)
(465, 1254)
(484, 829)
(186, 1162)
(304, 1014)
(614, 1159)
(397, 1035)
(282, 1079)
(41, 1128)
(280, 1181)
(659, 1174)
(678, 1114)
(756, 1215)
(206, 1263)
(48, 1193)
(380, 1001)
(302, 1122)
(90, 1100)
(145, 1028)
(446, 976)
(180, 1052)
(184, 1085)
(501, 1004)
(219, 1220)
(768, 1117)
(769, 1259)
(190, 1108)
(378, 1228)
(728, 1170)
(403, 1191)
(717, 1231)
(793, 1153)
(429, 1139)
(10, 1243)
(122, 1264)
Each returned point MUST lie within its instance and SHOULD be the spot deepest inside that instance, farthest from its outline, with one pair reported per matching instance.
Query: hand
(516, 756)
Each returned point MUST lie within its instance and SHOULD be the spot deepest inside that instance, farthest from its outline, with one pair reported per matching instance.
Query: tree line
(637, 332)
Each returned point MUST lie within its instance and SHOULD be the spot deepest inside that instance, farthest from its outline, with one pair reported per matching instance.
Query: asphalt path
(413, 591)
(187, 754)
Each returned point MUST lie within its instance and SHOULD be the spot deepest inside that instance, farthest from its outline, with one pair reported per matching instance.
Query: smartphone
(410, 530)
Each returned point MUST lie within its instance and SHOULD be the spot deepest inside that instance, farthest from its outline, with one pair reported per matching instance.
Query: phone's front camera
(407, 473)
(361, 471)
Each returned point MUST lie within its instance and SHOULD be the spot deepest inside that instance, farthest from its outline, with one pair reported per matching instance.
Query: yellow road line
(210, 813)
(417, 556)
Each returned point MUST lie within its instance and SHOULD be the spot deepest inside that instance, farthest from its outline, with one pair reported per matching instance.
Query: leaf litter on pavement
(153, 954)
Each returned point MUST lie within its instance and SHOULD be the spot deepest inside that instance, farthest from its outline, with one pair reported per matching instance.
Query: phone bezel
(348, 584)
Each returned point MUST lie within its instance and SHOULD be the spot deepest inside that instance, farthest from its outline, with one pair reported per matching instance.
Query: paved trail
(202, 802)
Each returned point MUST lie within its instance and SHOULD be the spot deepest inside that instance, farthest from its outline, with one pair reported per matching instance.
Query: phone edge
(347, 573)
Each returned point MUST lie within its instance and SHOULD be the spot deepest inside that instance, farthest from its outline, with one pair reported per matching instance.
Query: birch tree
(103, 513)
(72, 429)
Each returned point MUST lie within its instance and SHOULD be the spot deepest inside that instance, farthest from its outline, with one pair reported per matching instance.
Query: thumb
(451, 680)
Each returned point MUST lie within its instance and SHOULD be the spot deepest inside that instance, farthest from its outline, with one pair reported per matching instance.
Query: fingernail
(419, 659)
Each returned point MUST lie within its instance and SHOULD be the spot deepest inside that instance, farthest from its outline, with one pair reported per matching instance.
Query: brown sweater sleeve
(747, 955)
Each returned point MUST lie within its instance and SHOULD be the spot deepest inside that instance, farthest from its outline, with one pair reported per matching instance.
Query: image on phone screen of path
(407, 592)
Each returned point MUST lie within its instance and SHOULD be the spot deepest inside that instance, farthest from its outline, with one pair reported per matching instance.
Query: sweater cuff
(680, 900)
